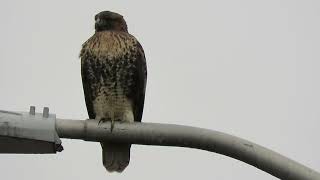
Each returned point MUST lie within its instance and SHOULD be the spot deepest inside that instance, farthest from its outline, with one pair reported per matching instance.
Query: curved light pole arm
(186, 136)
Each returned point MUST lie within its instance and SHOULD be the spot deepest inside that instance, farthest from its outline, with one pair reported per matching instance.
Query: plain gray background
(247, 68)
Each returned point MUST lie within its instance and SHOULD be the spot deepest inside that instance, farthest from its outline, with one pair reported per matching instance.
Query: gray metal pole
(186, 136)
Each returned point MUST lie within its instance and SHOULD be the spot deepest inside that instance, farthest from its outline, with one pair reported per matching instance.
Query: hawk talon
(101, 121)
(112, 125)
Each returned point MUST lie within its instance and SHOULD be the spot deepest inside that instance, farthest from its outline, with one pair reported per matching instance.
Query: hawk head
(110, 21)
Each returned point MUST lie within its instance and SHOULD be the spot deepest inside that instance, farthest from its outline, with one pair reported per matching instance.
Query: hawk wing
(140, 81)
(87, 85)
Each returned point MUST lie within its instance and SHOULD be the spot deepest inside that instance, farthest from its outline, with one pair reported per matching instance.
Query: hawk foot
(103, 120)
(107, 119)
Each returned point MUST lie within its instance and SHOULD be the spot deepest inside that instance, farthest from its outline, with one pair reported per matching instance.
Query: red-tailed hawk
(114, 74)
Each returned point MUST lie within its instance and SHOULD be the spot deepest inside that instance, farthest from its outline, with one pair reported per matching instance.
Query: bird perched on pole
(114, 74)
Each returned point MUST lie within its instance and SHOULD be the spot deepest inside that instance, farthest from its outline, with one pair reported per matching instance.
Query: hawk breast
(114, 75)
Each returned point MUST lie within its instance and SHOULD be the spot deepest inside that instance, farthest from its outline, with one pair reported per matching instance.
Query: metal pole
(186, 136)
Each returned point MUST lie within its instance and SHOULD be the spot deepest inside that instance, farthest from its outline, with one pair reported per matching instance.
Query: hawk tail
(115, 156)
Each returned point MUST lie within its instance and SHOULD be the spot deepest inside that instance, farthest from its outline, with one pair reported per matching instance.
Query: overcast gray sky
(248, 68)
